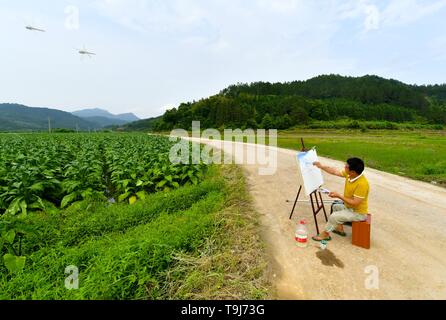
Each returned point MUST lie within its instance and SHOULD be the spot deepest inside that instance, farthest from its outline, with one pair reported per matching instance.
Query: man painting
(354, 205)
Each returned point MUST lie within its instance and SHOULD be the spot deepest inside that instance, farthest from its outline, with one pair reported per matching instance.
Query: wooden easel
(315, 197)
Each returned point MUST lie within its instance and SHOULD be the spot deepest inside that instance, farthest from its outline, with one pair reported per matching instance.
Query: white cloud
(153, 15)
(250, 30)
(394, 13)
(401, 12)
(373, 18)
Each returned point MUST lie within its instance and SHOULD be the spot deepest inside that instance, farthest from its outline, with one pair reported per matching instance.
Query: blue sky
(155, 54)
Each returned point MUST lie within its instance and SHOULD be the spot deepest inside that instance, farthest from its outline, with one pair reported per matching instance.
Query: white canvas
(311, 175)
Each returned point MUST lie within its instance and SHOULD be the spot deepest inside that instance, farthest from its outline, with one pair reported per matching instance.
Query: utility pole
(49, 125)
(77, 128)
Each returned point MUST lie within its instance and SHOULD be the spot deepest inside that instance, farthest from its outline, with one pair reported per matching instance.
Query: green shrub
(354, 125)
(434, 169)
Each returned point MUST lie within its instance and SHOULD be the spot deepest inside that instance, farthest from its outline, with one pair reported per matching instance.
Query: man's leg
(337, 219)
(339, 206)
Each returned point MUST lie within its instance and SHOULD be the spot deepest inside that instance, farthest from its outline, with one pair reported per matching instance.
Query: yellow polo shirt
(358, 188)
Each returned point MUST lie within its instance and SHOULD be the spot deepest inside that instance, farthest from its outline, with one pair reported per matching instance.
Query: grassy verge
(232, 264)
(198, 242)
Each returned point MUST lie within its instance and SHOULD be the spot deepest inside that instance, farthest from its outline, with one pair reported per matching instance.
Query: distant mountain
(141, 125)
(16, 117)
(100, 114)
(103, 122)
(129, 117)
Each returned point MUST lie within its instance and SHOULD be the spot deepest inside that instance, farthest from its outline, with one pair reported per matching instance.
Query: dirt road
(408, 255)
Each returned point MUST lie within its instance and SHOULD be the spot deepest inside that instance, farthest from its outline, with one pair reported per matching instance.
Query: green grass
(416, 154)
(197, 242)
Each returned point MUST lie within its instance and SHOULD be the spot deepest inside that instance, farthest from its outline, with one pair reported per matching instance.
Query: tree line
(324, 98)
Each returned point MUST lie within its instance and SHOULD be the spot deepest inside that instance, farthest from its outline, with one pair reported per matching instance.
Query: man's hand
(329, 170)
(317, 164)
(334, 195)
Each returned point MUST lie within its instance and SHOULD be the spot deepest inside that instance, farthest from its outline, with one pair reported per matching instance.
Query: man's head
(354, 167)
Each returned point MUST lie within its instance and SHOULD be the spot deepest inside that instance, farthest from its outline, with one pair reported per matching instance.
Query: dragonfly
(31, 28)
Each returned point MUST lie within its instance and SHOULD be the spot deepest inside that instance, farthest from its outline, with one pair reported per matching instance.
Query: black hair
(356, 165)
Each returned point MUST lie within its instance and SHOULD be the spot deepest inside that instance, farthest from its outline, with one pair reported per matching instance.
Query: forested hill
(324, 98)
(367, 90)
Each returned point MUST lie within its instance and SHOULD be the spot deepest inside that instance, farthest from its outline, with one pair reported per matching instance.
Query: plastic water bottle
(323, 245)
(302, 235)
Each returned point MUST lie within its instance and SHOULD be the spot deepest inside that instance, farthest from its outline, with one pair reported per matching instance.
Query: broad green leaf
(125, 183)
(23, 207)
(13, 263)
(37, 204)
(161, 183)
(68, 199)
(17, 185)
(37, 187)
(9, 236)
(123, 196)
(132, 199)
(14, 207)
(87, 193)
(141, 195)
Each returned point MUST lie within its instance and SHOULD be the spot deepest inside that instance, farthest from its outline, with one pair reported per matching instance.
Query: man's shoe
(342, 234)
(319, 240)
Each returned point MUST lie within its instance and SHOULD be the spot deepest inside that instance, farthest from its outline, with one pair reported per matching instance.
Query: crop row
(48, 172)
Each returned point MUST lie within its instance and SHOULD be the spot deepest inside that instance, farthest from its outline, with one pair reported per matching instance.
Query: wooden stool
(361, 233)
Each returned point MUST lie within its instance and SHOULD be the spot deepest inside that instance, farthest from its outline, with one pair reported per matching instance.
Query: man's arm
(330, 170)
(353, 202)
